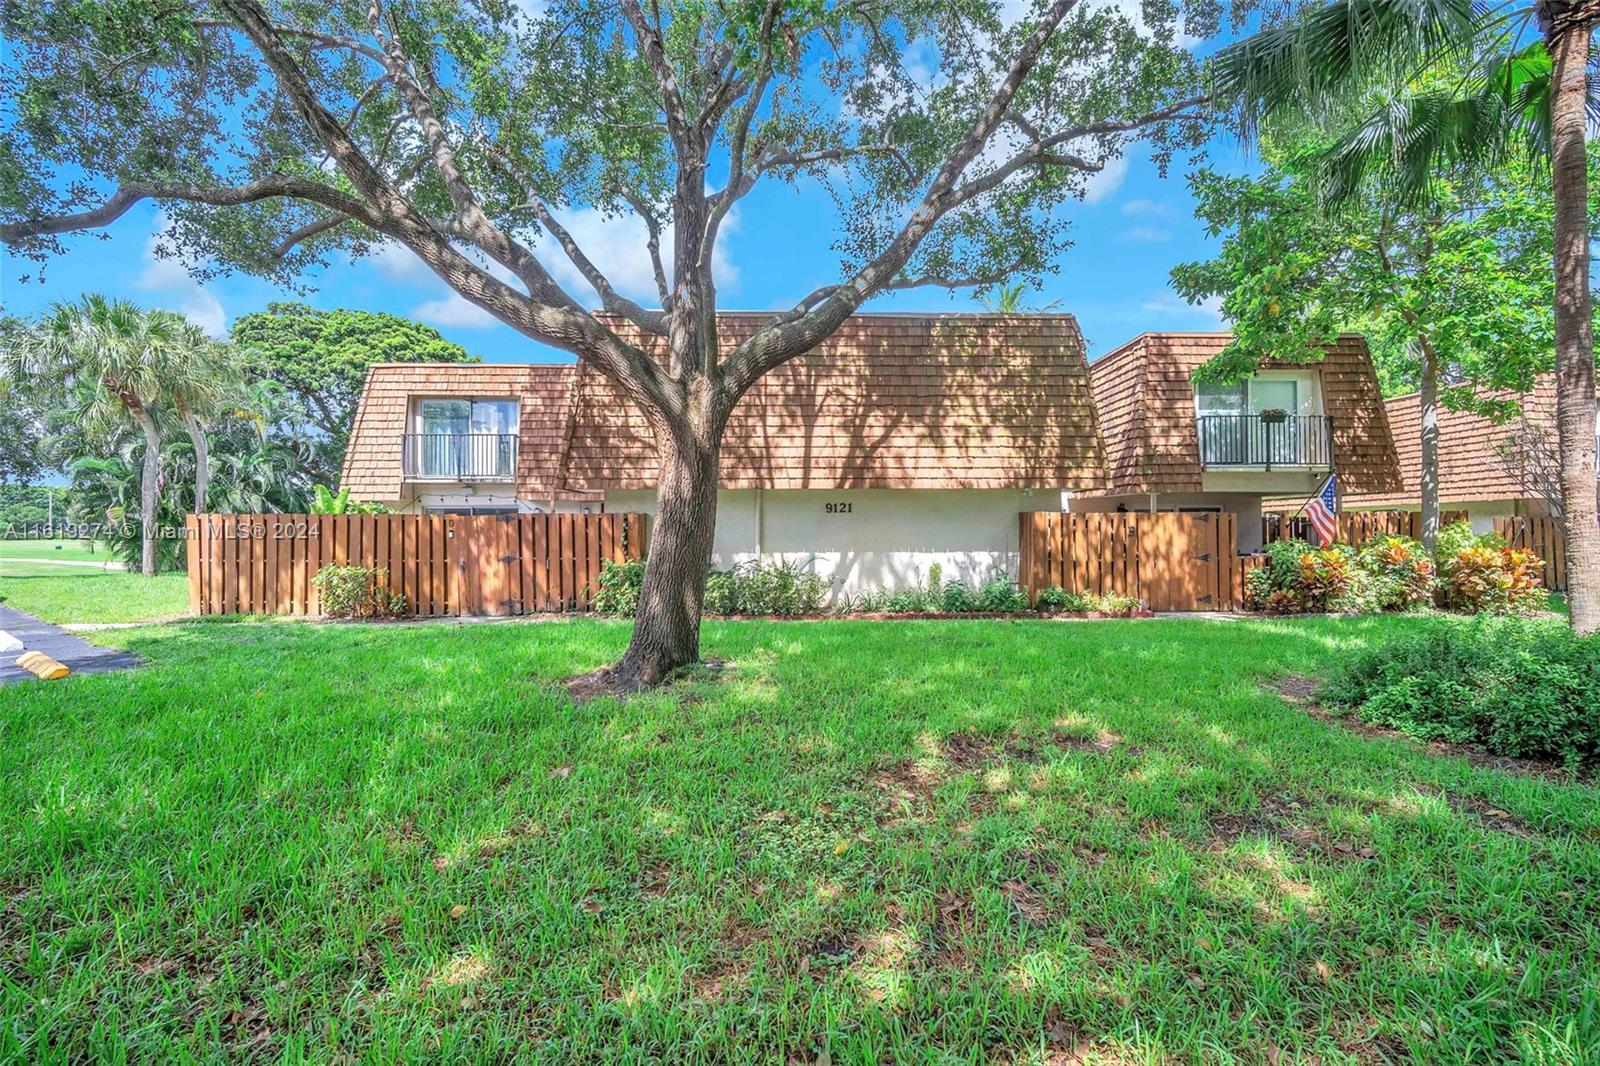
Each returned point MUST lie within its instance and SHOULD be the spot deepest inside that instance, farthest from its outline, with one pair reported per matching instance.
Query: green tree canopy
(322, 356)
(1465, 273)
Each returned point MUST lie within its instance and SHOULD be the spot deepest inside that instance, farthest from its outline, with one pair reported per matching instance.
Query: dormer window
(462, 439)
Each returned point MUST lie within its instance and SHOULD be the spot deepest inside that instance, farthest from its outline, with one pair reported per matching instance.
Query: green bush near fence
(1520, 687)
(357, 592)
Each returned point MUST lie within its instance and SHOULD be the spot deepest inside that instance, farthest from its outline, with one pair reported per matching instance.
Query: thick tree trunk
(666, 633)
(202, 461)
(1575, 399)
(149, 492)
(1428, 398)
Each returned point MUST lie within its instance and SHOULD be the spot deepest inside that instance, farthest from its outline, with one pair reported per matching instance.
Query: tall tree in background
(116, 362)
(1451, 290)
(277, 136)
(1512, 97)
(205, 379)
(322, 357)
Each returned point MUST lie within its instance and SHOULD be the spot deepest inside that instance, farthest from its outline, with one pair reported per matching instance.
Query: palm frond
(1333, 50)
(1415, 137)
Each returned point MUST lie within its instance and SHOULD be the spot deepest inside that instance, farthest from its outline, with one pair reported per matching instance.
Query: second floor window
(468, 416)
(463, 439)
(1249, 397)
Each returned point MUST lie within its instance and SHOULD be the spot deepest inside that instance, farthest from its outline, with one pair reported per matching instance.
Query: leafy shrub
(1391, 573)
(1402, 575)
(618, 588)
(958, 598)
(722, 592)
(1494, 579)
(1112, 604)
(781, 589)
(356, 592)
(1002, 596)
(325, 501)
(911, 601)
(1323, 578)
(1055, 598)
(1521, 687)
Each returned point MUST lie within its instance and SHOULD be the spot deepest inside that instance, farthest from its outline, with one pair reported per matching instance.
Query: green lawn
(82, 594)
(77, 550)
(957, 841)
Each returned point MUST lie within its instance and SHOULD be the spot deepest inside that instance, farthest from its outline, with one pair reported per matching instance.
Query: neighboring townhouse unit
(902, 442)
(1177, 445)
(1488, 469)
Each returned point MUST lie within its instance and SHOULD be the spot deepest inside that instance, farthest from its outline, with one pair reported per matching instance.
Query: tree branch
(779, 342)
(561, 323)
(476, 224)
(610, 299)
(270, 187)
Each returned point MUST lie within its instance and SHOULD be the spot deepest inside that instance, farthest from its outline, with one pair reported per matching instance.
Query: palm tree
(1465, 87)
(116, 361)
(204, 378)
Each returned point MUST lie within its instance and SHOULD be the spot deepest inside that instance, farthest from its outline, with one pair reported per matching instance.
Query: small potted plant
(1274, 416)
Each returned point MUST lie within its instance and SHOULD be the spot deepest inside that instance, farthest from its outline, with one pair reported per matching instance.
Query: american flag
(1322, 509)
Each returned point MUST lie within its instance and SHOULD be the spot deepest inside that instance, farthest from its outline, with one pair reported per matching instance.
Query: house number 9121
(836, 508)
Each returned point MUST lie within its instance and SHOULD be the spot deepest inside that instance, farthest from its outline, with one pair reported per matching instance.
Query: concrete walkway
(77, 653)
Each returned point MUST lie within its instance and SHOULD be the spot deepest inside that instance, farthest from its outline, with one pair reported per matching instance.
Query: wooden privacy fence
(1353, 527)
(441, 564)
(1168, 561)
(1543, 537)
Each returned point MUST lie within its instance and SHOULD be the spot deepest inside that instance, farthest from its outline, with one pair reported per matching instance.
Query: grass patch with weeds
(998, 841)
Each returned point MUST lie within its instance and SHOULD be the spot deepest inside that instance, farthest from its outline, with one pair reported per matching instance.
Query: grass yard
(73, 550)
(957, 841)
(59, 593)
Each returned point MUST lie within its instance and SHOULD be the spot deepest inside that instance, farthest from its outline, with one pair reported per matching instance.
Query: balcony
(1256, 441)
(459, 456)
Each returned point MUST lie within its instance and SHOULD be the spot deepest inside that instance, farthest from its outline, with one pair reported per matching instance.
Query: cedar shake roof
(1144, 391)
(545, 391)
(889, 401)
(1470, 465)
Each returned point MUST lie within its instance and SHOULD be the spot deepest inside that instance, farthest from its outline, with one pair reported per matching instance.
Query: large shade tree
(280, 135)
(1466, 83)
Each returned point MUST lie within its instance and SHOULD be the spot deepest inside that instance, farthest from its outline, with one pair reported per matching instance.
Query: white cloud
(1141, 206)
(1206, 314)
(453, 309)
(456, 310)
(168, 278)
(1105, 181)
(398, 263)
(1146, 234)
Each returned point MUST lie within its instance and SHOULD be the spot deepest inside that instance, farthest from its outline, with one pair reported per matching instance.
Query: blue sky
(1127, 234)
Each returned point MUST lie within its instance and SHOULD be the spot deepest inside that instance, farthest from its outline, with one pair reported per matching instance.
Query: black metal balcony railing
(459, 456)
(1254, 440)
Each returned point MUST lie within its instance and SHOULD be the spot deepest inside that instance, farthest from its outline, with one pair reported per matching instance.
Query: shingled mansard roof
(1145, 394)
(1471, 466)
(889, 401)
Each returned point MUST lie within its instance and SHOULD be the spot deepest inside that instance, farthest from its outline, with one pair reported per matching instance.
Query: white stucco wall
(1247, 531)
(866, 539)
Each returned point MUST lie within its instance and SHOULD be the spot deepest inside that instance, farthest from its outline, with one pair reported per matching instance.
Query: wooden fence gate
(441, 564)
(1542, 536)
(1170, 561)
